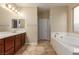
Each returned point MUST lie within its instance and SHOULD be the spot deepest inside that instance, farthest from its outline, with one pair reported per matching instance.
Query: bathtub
(65, 43)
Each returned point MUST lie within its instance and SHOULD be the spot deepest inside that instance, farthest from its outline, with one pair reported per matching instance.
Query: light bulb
(9, 6)
(18, 12)
(13, 8)
(21, 14)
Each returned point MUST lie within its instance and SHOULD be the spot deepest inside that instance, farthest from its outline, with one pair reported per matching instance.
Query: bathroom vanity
(10, 43)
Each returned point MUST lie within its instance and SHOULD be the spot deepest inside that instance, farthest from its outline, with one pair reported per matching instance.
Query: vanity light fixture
(13, 9)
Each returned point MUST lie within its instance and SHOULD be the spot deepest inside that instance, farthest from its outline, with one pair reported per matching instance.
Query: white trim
(31, 43)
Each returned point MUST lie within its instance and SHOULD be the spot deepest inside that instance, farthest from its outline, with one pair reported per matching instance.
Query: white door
(43, 29)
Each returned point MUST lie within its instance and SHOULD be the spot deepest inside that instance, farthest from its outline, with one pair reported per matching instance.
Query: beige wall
(43, 14)
(68, 16)
(31, 25)
(58, 19)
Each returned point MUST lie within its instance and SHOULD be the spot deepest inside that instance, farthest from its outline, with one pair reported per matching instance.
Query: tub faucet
(56, 34)
(61, 36)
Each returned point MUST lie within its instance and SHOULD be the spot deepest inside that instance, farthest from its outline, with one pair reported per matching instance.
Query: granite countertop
(8, 34)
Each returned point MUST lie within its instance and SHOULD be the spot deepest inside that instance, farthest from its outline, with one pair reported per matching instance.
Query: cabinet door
(9, 44)
(1, 46)
(23, 39)
(17, 42)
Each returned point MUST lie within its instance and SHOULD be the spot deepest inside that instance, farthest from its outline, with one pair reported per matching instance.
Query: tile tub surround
(43, 48)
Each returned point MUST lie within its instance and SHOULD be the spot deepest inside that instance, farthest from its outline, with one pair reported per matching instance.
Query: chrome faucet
(56, 34)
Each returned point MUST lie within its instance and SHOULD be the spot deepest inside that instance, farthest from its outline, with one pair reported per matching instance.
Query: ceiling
(42, 6)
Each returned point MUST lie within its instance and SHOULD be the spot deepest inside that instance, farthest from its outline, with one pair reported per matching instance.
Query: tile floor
(43, 48)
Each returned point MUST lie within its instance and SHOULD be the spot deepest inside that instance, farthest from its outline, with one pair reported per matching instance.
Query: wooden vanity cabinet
(9, 45)
(1, 47)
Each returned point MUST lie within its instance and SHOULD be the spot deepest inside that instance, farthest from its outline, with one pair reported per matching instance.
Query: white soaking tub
(65, 43)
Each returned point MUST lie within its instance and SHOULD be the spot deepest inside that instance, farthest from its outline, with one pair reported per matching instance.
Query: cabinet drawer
(18, 36)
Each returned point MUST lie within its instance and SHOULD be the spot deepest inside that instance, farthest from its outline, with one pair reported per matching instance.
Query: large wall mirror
(18, 23)
(76, 19)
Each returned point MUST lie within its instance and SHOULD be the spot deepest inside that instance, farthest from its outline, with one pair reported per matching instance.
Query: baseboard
(31, 43)
(44, 39)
